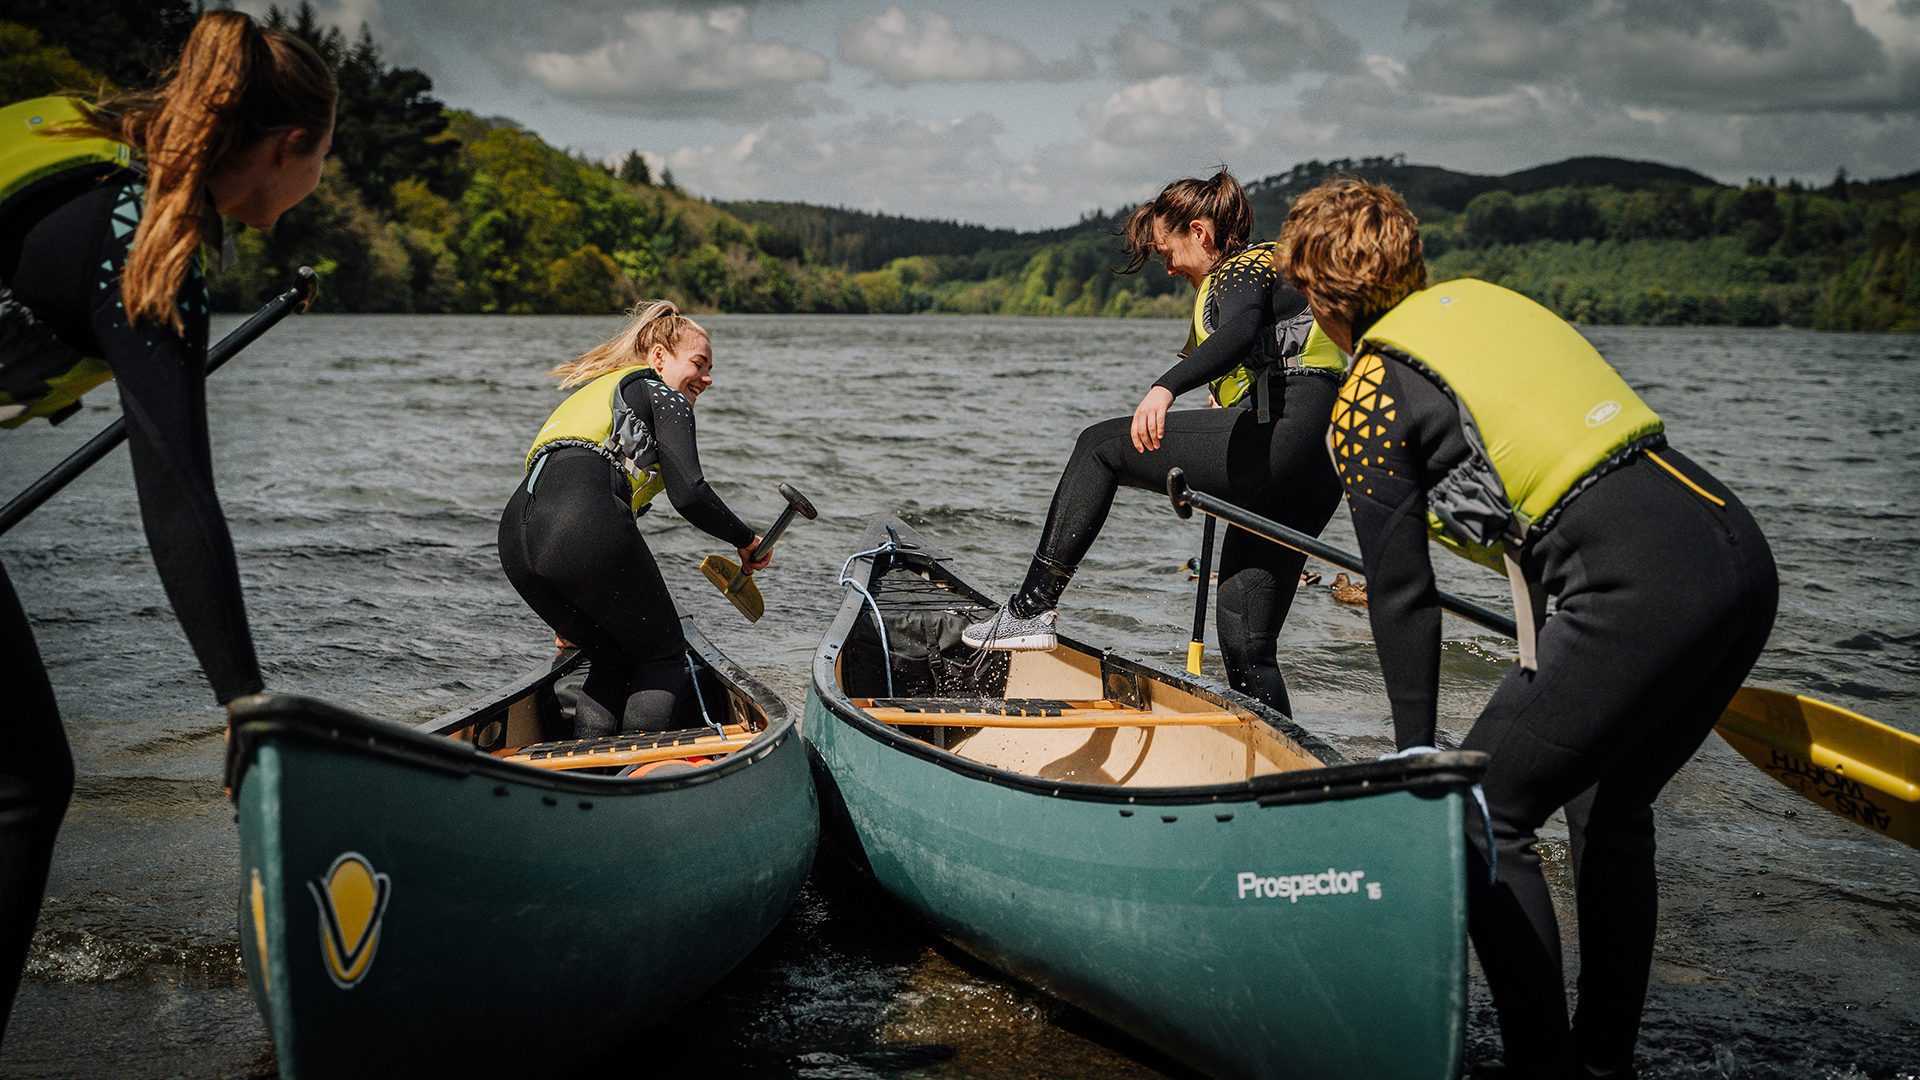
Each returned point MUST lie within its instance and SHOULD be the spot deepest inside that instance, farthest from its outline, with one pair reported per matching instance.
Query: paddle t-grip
(796, 504)
(1177, 493)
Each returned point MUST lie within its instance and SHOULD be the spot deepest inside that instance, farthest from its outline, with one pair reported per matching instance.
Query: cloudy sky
(1028, 113)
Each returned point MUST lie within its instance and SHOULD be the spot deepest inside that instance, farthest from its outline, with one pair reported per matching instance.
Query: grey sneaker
(1004, 631)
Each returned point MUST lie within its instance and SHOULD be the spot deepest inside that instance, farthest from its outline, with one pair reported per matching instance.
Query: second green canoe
(1156, 849)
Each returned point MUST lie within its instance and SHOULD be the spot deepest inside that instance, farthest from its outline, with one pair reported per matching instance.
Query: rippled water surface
(363, 462)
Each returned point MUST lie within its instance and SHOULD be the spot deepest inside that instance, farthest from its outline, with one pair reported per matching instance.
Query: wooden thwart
(620, 751)
(991, 706)
(1029, 713)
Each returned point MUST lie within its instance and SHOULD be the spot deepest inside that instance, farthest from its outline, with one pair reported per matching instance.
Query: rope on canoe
(879, 621)
(700, 697)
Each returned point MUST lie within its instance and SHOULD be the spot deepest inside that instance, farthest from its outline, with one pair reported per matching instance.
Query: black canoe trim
(1339, 779)
(259, 718)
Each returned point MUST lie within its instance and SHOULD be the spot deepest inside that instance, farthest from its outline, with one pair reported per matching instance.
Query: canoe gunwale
(259, 718)
(1337, 779)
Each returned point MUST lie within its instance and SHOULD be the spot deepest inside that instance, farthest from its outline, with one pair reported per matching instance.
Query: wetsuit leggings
(1664, 602)
(571, 549)
(36, 780)
(1279, 469)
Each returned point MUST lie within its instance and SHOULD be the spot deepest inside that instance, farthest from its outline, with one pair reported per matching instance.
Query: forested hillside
(427, 208)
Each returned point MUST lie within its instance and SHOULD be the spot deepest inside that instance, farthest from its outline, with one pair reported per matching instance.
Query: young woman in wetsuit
(102, 264)
(1251, 341)
(1478, 416)
(568, 539)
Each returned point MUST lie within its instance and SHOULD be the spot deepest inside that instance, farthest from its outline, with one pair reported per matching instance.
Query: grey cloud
(1271, 39)
(1745, 56)
(948, 167)
(900, 53)
(1524, 127)
(1756, 24)
(671, 62)
(1138, 54)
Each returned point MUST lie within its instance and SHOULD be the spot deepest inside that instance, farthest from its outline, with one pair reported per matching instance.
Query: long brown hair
(234, 84)
(650, 323)
(1219, 199)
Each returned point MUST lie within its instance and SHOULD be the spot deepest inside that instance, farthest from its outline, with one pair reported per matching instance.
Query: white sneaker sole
(1018, 643)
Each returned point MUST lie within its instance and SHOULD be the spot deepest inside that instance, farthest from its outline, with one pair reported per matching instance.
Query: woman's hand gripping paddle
(1858, 768)
(736, 584)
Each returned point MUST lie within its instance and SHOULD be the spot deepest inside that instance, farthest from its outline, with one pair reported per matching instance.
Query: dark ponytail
(1219, 199)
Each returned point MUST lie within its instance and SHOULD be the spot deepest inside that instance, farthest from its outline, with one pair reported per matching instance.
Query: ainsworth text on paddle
(1849, 797)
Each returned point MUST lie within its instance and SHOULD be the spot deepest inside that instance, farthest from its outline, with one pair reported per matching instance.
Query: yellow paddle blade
(1858, 768)
(734, 585)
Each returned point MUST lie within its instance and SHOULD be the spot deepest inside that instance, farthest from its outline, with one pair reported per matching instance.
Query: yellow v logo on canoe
(352, 897)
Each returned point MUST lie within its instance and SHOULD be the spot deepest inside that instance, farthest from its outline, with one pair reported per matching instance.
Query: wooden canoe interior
(1064, 715)
(536, 729)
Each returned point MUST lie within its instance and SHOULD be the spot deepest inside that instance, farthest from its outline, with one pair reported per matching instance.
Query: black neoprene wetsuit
(1279, 468)
(570, 546)
(1665, 592)
(61, 253)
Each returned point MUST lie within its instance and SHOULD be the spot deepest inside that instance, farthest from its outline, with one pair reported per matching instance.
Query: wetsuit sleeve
(1391, 425)
(672, 422)
(1244, 294)
(161, 376)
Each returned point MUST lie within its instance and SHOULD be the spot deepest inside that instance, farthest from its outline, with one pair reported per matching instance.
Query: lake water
(363, 461)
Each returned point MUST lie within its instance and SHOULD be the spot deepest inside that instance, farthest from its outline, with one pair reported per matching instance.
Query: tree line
(425, 208)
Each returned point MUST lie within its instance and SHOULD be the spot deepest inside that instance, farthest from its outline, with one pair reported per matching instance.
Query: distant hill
(857, 239)
(1593, 172)
(1597, 239)
(1432, 191)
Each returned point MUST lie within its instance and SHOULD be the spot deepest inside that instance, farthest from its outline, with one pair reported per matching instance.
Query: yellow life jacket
(1544, 416)
(1298, 344)
(41, 375)
(596, 417)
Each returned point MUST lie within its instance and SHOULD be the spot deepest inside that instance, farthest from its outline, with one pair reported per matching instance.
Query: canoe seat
(1030, 713)
(635, 749)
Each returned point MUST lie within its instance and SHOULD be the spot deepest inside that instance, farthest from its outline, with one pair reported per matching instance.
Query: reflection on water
(363, 462)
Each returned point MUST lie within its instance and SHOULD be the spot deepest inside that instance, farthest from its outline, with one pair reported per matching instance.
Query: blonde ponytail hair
(233, 85)
(650, 323)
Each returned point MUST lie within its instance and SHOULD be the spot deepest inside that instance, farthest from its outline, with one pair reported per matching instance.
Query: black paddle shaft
(796, 504)
(1206, 571)
(1186, 500)
(297, 298)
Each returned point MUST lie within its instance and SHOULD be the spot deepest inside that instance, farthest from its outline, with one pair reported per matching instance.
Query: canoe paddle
(1860, 769)
(296, 299)
(738, 586)
(1198, 646)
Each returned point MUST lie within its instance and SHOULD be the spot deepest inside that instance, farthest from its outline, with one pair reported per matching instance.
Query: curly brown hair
(1354, 249)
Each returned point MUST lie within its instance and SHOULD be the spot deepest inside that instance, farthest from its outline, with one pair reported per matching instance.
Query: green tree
(633, 169)
(31, 68)
(129, 41)
(1492, 218)
(586, 282)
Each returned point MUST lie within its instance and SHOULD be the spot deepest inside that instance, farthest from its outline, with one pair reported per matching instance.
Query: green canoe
(414, 903)
(1154, 848)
